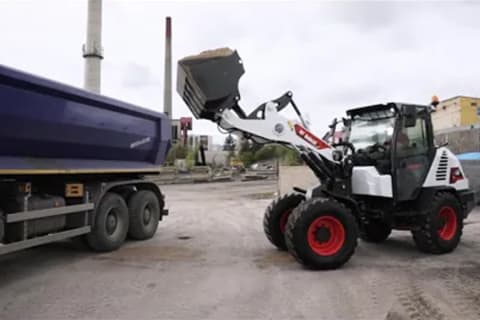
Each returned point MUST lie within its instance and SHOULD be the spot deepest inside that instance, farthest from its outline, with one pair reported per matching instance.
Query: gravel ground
(210, 259)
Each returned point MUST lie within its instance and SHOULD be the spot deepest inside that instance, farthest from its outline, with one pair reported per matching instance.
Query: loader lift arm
(266, 125)
(208, 83)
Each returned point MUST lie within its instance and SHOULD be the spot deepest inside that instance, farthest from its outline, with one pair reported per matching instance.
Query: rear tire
(321, 233)
(276, 217)
(441, 227)
(375, 231)
(111, 224)
(144, 210)
(2, 227)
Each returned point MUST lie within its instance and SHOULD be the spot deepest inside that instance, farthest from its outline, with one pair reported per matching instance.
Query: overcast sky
(333, 56)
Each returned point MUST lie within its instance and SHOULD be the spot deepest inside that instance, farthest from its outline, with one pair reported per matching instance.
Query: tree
(285, 155)
(249, 145)
(247, 151)
(229, 144)
(267, 152)
(191, 157)
(292, 158)
(247, 157)
(177, 151)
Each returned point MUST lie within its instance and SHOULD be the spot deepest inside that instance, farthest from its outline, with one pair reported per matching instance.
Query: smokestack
(92, 49)
(167, 93)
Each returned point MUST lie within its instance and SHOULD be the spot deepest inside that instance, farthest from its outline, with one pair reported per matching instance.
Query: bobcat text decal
(310, 137)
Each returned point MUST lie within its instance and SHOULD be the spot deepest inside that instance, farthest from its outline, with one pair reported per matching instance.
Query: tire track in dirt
(412, 299)
(418, 304)
(462, 289)
(362, 296)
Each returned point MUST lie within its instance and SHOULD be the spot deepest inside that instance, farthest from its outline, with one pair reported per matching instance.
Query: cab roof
(382, 110)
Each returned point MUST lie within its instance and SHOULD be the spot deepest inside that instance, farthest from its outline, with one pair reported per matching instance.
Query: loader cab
(397, 139)
(413, 150)
(371, 132)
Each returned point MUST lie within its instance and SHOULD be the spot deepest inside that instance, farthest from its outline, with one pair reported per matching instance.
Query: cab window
(413, 140)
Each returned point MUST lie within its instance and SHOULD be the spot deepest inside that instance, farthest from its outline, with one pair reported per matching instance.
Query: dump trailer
(73, 163)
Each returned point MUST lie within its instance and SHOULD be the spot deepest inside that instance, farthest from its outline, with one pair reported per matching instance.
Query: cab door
(412, 154)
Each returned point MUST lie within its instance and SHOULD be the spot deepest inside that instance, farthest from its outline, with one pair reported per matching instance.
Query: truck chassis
(127, 205)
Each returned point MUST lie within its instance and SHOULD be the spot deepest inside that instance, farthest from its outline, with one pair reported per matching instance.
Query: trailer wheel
(321, 234)
(276, 217)
(144, 210)
(441, 227)
(375, 231)
(2, 227)
(111, 224)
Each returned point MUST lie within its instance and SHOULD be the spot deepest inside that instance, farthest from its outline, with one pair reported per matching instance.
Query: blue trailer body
(48, 127)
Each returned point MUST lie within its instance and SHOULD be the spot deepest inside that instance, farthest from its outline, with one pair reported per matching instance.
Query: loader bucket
(208, 82)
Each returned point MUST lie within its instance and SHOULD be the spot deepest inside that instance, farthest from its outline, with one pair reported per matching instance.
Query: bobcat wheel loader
(386, 173)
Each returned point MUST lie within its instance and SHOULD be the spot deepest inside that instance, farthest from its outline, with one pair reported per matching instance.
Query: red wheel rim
(284, 219)
(449, 227)
(326, 235)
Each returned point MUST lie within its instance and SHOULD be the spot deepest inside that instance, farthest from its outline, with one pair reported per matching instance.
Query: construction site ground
(210, 259)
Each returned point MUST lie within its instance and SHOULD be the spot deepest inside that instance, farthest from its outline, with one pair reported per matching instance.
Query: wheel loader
(384, 172)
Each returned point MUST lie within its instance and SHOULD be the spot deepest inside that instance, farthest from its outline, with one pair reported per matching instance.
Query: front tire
(111, 224)
(276, 217)
(321, 234)
(441, 227)
(375, 231)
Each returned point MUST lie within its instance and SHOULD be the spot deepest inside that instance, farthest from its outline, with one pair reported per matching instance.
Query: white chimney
(167, 93)
(92, 49)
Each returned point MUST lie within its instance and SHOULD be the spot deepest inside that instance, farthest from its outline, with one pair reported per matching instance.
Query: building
(459, 111)
(195, 140)
(176, 131)
(213, 156)
(180, 128)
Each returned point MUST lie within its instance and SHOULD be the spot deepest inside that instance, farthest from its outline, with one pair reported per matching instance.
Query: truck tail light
(455, 175)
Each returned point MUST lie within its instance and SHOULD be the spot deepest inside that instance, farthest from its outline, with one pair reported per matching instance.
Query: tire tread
(293, 221)
(423, 237)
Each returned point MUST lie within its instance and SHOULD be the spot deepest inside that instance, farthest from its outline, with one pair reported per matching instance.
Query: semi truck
(74, 164)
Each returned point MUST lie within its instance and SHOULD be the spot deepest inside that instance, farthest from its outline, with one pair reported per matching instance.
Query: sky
(333, 56)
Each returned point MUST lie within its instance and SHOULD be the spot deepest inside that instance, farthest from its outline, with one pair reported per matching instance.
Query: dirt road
(210, 259)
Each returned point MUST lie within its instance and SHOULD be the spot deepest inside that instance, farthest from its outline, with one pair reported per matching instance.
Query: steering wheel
(345, 144)
(376, 147)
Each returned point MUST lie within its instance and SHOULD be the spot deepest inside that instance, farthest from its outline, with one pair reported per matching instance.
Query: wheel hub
(448, 223)
(283, 220)
(326, 235)
(322, 234)
(147, 215)
(111, 223)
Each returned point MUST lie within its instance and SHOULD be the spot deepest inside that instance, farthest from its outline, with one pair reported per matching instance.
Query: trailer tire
(375, 231)
(2, 227)
(111, 224)
(144, 211)
(276, 217)
(321, 234)
(441, 226)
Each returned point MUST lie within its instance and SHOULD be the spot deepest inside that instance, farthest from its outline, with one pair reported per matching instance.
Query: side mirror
(410, 114)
